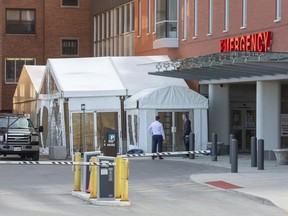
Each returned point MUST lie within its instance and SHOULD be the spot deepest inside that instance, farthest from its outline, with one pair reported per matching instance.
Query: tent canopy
(29, 83)
(106, 76)
(170, 97)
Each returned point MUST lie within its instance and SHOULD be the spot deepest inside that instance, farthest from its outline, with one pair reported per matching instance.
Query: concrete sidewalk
(268, 185)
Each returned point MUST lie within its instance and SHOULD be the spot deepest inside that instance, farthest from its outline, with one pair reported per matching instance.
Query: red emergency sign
(259, 42)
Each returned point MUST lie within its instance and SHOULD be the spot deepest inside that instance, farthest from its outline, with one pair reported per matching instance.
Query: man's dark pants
(157, 140)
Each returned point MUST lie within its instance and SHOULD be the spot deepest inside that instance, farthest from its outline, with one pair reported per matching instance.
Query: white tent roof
(170, 97)
(36, 73)
(105, 76)
(29, 83)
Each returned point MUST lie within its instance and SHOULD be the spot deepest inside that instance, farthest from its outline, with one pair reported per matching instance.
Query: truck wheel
(35, 156)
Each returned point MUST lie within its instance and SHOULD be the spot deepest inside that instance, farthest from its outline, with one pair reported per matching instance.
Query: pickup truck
(18, 136)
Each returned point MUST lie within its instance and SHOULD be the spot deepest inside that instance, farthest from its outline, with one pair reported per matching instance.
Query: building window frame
(167, 20)
(278, 12)
(69, 46)
(244, 14)
(20, 21)
(13, 68)
(70, 3)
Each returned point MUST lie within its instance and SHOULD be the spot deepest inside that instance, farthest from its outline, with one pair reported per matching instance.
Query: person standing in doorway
(186, 132)
(157, 131)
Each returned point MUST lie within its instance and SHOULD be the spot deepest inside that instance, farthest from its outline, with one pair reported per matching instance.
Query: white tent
(100, 85)
(26, 93)
(170, 103)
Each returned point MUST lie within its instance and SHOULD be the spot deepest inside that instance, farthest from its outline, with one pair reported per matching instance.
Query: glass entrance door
(83, 136)
(173, 129)
(88, 133)
(107, 121)
(243, 125)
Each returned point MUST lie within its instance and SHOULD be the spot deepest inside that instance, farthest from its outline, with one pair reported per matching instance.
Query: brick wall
(260, 18)
(53, 22)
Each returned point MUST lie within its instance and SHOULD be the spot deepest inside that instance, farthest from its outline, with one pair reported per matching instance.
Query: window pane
(10, 70)
(19, 66)
(70, 2)
(30, 62)
(117, 22)
(69, 47)
(161, 10)
(128, 18)
(161, 30)
(172, 10)
(12, 21)
(132, 21)
(13, 15)
(28, 21)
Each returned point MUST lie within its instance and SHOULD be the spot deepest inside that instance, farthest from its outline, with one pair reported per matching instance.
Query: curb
(85, 197)
(236, 191)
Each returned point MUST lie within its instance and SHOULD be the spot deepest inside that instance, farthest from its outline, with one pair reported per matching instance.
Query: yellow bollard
(125, 174)
(118, 180)
(77, 172)
(93, 178)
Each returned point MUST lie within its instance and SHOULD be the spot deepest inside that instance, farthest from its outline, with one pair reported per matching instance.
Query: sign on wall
(259, 42)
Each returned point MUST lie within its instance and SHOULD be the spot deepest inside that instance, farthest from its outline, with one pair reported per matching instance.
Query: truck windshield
(14, 122)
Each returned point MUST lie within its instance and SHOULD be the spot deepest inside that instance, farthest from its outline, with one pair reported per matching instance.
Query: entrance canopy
(228, 67)
(169, 97)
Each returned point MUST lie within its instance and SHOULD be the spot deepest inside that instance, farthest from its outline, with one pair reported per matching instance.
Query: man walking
(157, 131)
(186, 132)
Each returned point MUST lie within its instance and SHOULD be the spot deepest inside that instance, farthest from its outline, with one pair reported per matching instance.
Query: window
(114, 31)
(69, 2)
(244, 14)
(139, 18)
(69, 46)
(210, 20)
(278, 11)
(13, 68)
(166, 18)
(149, 17)
(185, 20)
(20, 21)
(195, 19)
(226, 18)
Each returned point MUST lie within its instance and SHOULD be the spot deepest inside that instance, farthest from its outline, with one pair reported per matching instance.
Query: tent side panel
(96, 103)
(132, 121)
(147, 116)
(200, 129)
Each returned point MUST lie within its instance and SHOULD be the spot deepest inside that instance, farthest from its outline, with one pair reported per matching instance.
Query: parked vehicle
(18, 136)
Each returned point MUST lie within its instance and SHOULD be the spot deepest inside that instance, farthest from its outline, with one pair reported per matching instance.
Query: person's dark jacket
(187, 127)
